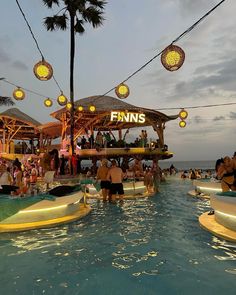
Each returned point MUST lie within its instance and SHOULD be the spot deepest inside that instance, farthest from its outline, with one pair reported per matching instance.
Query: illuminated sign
(128, 117)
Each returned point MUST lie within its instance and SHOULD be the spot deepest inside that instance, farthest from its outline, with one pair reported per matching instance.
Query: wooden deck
(119, 152)
(103, 152)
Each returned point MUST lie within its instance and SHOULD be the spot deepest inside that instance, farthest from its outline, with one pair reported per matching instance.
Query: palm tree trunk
(72, 55)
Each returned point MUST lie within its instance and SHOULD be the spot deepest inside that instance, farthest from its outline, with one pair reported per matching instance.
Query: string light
(18, 94)
(35, 40)
(92, 108)
(182, 124)
(80, 108)
(159, 109)
(43, 70)
(62, 100)
(68, 105)
(147, 63)
(122, 91)
(183, 114)
(172, 58)
(48, 102)
(158, 54)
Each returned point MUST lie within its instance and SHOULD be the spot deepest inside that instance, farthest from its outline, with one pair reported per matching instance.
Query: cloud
(4, 57)
(19, 65)
(219, 118)
(232, 115)
(189, 7)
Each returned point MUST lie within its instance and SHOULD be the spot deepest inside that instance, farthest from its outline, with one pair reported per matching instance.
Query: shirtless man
(102, 175)
(115, 175)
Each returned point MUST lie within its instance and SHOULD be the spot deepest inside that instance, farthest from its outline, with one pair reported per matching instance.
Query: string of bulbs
(122, 90)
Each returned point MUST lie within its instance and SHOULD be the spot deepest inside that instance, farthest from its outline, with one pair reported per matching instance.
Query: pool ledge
(208, 223)
(83, 211)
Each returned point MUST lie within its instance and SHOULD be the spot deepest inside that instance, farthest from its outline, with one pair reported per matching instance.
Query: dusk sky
(133, 32)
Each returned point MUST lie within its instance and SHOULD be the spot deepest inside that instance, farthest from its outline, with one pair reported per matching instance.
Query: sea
(186, 165)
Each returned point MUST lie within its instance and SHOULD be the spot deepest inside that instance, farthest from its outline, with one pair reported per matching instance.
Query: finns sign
(128, 117)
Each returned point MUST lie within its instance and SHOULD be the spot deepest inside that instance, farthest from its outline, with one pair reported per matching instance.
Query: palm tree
(76, 13)
(6, 101)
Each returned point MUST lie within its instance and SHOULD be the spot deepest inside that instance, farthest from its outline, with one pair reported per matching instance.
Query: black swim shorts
(105, 184)
(116, 188)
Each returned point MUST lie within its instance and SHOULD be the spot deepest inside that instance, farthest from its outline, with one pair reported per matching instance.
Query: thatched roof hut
(17, 125)
(101, 118)
(16, 114)
(105, 104)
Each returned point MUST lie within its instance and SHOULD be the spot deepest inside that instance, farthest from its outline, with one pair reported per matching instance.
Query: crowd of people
(196, 174)
(108, 140)
(225, 172)
(24, 175)
(112, 177)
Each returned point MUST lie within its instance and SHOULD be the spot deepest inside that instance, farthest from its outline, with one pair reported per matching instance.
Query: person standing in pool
(102, 175)
(116, 175)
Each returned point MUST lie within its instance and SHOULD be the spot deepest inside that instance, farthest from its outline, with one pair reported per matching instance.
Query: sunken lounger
(225, 209)
(223, 222)
(132, 190)
(47, 213)
(207, 187)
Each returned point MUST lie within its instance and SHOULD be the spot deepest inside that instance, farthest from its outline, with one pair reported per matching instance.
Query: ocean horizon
(186, 165)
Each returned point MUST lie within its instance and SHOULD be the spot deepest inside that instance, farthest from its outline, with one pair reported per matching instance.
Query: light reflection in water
(138, 241)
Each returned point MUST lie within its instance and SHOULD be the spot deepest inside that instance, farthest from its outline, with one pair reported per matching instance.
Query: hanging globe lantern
(43, 70)
(80, 108)
(182, 124)
(18, 94)
(62, 100)
(48, 102)
(122, 91)
(69, 105)
(172, 58)
(92, 108)
(183, 114)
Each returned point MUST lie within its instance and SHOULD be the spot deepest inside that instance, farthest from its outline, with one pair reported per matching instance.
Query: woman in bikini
(226, 174)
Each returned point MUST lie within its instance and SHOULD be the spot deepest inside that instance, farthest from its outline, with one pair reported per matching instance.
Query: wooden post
(120, 134)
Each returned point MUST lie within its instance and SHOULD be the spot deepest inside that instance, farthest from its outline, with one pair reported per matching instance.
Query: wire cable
(198, 107)
(35, 40)
(174, 41)
(28, 90)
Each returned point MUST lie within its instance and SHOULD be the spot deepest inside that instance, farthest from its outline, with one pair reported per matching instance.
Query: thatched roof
(14, 113)
(51, 129)
(104, 105)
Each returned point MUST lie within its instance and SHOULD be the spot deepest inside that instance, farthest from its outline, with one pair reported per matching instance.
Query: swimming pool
(148, 246)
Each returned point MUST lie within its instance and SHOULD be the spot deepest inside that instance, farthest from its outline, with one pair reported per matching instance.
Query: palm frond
(56, 22)
(49, 3)
(6, 101)
(93, 16)
(98, 3)
(79, 26)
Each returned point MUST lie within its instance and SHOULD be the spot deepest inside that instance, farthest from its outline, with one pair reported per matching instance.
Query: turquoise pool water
(151, 246)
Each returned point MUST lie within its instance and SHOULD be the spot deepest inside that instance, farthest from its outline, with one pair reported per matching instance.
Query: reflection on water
(157, 238)
(40, 239)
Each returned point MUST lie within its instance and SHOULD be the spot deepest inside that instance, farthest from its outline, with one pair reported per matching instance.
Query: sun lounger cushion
(7, 189)
(227, 194)
(61, 190)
